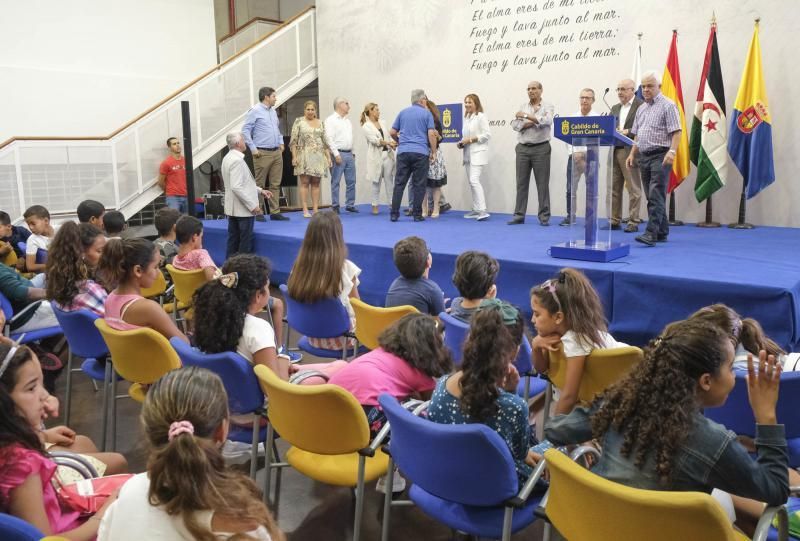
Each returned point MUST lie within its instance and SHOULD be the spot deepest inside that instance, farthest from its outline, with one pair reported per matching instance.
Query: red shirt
(175, 171)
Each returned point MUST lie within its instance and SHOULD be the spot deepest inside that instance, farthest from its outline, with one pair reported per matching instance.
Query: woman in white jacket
(475, 143)
(380, 154)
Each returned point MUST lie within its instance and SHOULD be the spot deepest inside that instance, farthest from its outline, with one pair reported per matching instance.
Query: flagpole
(672, 220)
(709, 223)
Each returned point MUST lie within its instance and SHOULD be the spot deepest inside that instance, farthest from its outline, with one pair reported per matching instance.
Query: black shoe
(566, 221)
(279, 217)
(646, 239)
(516, 220)
(614, 227)
(419, 219)
(631, 228)
(394, 216)
(408, 211)
(335, 209)
(445, 207)
(260, 218)
(351, 209)
(661, 238)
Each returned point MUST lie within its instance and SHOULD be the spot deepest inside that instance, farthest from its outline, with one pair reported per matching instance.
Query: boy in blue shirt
(413, 259)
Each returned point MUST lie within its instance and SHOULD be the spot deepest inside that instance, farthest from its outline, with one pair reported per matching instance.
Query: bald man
(625, 112)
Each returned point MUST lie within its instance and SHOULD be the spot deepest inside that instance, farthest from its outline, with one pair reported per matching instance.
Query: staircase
(121, 169)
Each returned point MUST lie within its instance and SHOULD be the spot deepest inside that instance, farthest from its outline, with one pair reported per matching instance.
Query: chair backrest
(737, 415)
(16, 529)
(82, 336)
(469, 464)
(157, 289)
(23, 246)
(5, 306)
(186, 282)
(236, 373)
(455, 332)
(140, 355)
(371, 321)
(41, 256)
(603, 367)
(323, 419)
(327, 318)
(583, 505)
(10, 259)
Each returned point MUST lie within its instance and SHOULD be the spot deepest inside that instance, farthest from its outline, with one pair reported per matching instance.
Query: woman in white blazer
(475, 142)
(380, 154)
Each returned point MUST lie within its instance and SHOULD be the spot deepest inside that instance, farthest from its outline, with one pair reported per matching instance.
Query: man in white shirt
(241, 196)
(578, 155)
(339, 133)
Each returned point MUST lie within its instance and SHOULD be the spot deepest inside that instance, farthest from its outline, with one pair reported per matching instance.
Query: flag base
(741, 226)
(708, 224)
(675, 223)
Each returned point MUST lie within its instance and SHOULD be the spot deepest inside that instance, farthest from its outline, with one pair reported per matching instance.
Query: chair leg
(507, 517)
(387, 501)
(113, 407)
(268, 462)
(68, 405)
(362, 462)
(548, 400)
(254, 449)
(527, 387)
(106, 397)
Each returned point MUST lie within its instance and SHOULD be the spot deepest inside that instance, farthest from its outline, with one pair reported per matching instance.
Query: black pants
(414, 165)
(240, 235)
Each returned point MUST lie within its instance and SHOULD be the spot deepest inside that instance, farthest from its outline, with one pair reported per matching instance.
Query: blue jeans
(348, 167)
(178, 202)
(414, 165)
(240, 235)
(655, 176)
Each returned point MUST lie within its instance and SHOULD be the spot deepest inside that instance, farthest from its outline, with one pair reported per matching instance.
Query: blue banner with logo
(452, 117)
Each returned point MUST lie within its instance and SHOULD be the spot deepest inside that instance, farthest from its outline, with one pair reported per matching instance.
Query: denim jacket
(709, 458)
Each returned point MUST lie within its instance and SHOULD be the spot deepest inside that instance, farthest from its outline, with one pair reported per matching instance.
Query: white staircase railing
(121, 169)
(245, 36)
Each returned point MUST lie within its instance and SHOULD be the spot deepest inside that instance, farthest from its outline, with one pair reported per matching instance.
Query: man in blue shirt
(264, 139)
(413, 129)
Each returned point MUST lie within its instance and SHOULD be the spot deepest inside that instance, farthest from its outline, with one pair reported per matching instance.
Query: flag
(671, 88)
(709, 138)
(636, 70)
(750, 143)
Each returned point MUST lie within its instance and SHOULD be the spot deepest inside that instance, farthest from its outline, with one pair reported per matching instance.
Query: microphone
(604, 98)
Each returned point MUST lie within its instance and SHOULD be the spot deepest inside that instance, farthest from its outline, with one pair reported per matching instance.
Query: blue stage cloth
(755, 271)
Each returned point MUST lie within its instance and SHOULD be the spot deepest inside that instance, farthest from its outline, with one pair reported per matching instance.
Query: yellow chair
(185, 284)
(583, 506)
(157, 292)
(371, 321)
(328, 432)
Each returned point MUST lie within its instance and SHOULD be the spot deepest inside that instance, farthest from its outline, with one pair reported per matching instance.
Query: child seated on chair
(114, 224)
(26, 469)
(227, 311)
(90, 211)
(37, 218)
(165, 221)
(568, 311)
(484, 389)
(474, 277)
(187, 491)
(654, 435)
(191, 255)
(10, 237)
(322, 271)
(72, 259)
(129, 265)
(413, 287)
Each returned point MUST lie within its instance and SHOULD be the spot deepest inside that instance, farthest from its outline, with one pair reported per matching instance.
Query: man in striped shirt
(657, 131)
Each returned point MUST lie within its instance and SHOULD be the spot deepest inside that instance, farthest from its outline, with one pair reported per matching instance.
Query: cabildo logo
(446, 118)
(565, 127)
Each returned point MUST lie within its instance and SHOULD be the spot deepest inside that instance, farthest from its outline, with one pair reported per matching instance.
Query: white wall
(428, 45)
(86, 67)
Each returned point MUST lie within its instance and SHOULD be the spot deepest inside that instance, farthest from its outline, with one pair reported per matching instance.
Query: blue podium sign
(452, 118)
(587, 134)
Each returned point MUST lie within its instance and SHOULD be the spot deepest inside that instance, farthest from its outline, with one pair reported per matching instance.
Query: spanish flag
(750, 141)
(671, 88)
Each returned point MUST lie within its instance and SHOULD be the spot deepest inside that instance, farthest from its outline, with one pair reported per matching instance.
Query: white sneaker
(471, 214)
(236, 452)
(482, 216)
(398, 483)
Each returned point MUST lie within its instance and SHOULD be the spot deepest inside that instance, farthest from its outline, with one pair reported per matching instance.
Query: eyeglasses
(550, 286)
(587, 97)
(622, 89)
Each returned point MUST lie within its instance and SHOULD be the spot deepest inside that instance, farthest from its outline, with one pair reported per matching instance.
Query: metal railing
(121, 169)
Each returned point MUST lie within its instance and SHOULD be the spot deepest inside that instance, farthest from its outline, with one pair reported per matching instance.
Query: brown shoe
(374, 209)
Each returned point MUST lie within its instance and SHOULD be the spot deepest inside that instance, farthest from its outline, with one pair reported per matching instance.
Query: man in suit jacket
(241, 196)
(625, 112)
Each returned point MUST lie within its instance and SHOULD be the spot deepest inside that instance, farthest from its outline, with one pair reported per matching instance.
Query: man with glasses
(532, 124)
(577, 158)
(339, 134)
(625, 112)
(657, 131)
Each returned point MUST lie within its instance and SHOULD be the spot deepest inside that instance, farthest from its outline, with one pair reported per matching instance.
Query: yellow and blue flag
(750, 140)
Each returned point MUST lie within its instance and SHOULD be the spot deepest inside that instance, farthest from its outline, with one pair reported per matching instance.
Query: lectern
(587, 136)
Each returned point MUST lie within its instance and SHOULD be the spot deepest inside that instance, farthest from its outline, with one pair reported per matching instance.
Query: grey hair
(654, 74)
(417, 94)
(337, 100)
(233, 138)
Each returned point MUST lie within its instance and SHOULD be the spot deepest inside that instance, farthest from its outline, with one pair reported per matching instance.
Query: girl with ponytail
(187, 491)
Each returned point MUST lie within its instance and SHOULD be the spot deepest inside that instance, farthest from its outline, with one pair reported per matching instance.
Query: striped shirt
(538, 133)
(261, 128)
(655, 122)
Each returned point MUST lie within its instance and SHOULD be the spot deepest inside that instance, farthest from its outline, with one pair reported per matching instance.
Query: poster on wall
(451, 116)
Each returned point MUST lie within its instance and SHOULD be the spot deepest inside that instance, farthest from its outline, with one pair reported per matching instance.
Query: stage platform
(757, 272)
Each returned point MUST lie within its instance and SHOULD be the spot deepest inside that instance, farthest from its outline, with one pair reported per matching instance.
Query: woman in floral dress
(310, 155)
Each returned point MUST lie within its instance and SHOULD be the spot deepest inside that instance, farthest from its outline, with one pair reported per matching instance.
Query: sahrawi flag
(708, 144)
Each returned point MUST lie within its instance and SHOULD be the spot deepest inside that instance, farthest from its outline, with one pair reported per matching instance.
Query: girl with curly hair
(567, 311)
(652, 430)
(72, 259)
(484, 390)
(187, 491)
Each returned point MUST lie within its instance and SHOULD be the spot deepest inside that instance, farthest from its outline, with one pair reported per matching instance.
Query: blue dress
(510, 421)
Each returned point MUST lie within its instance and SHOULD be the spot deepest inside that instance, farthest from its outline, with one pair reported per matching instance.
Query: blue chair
(29, 336)
(462, 475)
(41, 256)
(737, 416)
(16, 529)
(23, 246)
(244, 392)
(327, 318)
(86, 342)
